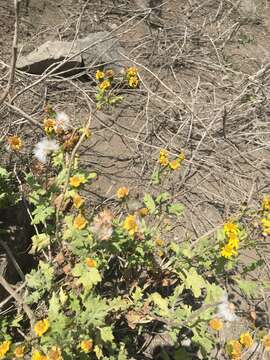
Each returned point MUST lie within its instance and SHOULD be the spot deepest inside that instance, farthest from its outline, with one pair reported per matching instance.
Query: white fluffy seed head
(43, 148)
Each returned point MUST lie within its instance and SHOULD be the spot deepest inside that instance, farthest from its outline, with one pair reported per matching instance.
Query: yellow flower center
(130, 224)
(90, 262)
(216, 324)
(77, 180)
(122, 192)
(86, 345)
(80, 222)
(15, 143)
(19, 351)
(246, 340)
(41, 327)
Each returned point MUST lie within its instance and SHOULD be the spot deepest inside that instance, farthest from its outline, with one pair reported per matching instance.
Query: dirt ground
(205, 76)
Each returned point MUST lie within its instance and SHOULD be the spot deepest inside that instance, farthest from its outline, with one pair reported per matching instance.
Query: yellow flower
(38, 356)
(130, 224)
(77, 180)
(233, 241)
(160, 242)
(163, 157)
(105, 85)
(266, 342)
(216, 324)
(246, 340)
(181, 157)
(91, 262)
(174, 164)
(122, 192)
(143, 212)
(230, 228)
(266, 203)
(234, 349)
(100, 75)
(4, 348)
(132, 72)
(160, 253)
(55, 353)
(133, 81)
(78, 201)
(80, 222)
(41, 327)
(49, 126)
(14, 142)
(228, 251)
(19, 351)
(86, 345)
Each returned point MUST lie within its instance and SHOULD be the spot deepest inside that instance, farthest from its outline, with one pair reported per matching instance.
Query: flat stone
(49, 54)
(96, 49)
(102, 49)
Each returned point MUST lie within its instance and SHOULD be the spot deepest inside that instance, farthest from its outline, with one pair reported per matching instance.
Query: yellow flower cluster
(78, 201)
(266, 342)
(86, 345)
(132, 77)
(19, 352)
(234, 347)
(122, 192)
(165, 161)
(41, 327)
(80, 222)
(265, 221)
(49, 126)
(105, 79)
(77, 180)
(231, 231)
(130, 225)
(14, 143)
(4, 348)
(216, 324)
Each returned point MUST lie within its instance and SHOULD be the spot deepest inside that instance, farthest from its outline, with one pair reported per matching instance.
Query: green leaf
(54, 308)
(248, 287)
(193, 281)
(175, 209)
(182, 354)
(149, 203)
(88, 277)
(214, 293)
(106, 334)
(160, 302)
(42, 213)
(155, 178)
(39, 242)
(163, 197)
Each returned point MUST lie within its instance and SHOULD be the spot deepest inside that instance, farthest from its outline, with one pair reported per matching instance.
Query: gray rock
(96, 49)
(102, 49)
(49, 54)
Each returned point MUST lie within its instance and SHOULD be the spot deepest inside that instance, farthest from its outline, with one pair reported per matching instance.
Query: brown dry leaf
(253, 315)
(67, 269)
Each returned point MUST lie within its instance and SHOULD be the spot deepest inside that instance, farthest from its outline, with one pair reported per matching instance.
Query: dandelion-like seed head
(43, 148)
